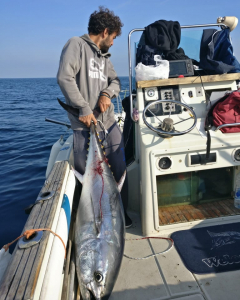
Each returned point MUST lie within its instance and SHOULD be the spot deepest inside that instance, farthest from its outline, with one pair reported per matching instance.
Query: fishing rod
(58, 122)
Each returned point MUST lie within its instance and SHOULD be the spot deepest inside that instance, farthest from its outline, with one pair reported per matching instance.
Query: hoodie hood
(86, 38)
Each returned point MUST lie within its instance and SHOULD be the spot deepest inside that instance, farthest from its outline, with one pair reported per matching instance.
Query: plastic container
(237, 192)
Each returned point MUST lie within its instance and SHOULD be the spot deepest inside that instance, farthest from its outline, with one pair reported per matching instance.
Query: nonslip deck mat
(210, 249)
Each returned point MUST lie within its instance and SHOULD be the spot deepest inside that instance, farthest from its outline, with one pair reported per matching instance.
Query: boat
(173, 191)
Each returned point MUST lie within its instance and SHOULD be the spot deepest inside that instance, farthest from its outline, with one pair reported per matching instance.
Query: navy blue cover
(210, 249)
(216, 52)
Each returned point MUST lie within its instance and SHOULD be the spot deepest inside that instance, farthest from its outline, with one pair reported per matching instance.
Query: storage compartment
(195, 187)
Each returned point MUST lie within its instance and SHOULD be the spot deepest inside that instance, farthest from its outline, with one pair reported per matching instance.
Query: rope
(29, 233)
(151, 255)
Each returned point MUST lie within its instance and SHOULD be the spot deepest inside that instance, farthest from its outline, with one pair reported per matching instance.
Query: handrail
(130, 61)
(227, 125)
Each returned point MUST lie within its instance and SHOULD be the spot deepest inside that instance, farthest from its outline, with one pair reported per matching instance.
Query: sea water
(26, 140)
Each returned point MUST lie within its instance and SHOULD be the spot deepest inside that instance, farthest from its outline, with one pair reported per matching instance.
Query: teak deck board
(46, 222)
(178, 212)
(25, 283)
(21, 276)
(174, 214)
(233, 208)
(188, 213)
(188, 80)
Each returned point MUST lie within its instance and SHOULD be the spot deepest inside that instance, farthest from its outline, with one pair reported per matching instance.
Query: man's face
(107, 42)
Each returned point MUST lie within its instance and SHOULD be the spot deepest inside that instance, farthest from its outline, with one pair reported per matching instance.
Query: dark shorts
(114, 148)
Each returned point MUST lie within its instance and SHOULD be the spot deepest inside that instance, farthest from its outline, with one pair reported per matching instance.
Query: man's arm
(69, 66)
(111, 91)
(114, 85)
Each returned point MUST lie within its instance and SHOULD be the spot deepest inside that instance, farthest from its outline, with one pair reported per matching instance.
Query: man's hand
(104, 103)
(87, 120)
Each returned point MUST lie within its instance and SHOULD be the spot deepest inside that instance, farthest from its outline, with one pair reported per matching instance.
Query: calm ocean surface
(26, 140)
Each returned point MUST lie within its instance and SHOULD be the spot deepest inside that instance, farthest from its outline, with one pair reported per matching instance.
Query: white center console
(173, 170)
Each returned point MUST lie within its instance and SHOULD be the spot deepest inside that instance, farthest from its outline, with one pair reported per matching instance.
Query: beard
(104, 46)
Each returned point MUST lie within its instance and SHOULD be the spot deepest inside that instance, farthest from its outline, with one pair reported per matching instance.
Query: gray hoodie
(84, 72)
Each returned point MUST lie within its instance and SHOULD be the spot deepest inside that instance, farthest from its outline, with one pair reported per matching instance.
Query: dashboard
(162, 93)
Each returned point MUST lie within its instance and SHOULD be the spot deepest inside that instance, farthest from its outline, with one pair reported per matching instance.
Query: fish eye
(98, 276)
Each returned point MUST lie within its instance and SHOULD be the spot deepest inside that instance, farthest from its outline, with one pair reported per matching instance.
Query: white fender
(53, 154)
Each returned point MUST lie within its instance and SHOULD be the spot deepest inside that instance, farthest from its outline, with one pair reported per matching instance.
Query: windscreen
(190, 42)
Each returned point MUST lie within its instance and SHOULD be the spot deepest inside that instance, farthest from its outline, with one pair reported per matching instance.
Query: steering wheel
(166, 128)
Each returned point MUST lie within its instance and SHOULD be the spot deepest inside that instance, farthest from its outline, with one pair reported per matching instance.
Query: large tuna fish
(100, 229)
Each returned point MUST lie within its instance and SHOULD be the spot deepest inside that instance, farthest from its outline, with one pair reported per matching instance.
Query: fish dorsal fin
(121, 181)
(78, 175)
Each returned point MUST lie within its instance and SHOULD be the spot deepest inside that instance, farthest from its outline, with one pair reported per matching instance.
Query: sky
(33, 32)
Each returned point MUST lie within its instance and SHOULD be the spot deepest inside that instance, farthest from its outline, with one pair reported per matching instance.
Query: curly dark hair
(102, 19)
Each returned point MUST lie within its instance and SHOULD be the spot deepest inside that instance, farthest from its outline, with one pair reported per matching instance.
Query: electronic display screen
(178, 68)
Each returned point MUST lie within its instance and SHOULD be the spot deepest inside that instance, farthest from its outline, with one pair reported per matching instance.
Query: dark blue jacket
(216, 52)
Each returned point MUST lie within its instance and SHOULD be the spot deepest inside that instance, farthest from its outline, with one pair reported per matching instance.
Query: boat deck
(165, 276)
(189, 213)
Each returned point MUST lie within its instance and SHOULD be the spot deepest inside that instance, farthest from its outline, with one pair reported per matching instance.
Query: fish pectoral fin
(97, 221)
(121, 181)
(78, 175)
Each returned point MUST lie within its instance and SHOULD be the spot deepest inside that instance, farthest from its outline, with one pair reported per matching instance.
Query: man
(88, 81)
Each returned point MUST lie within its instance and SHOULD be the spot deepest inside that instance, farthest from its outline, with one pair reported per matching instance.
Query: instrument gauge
(237, 155)
(164, 163)
(151, 93)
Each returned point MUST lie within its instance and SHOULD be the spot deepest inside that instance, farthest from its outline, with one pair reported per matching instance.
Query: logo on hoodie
(96, 70)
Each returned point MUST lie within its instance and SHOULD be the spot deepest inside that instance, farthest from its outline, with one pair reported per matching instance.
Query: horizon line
(43, 77)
